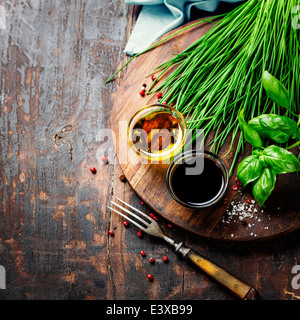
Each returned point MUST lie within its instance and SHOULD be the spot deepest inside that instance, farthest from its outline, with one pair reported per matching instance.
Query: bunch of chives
(221, 72)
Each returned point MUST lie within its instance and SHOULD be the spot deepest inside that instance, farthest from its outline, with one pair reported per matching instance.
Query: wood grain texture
(55, 57)
(231, 219)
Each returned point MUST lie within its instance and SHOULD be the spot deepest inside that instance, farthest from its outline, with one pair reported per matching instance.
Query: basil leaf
(281, 160)
(276, 90)
(249, 170)
(276, 127)
(250, 134)
(264, 186)
(255, 124)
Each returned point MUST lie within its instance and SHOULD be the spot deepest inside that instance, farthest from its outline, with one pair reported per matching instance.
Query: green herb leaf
(257, 152)
(281, 160)
(276, 90)
(276, 127)
(264, 186)
(249, 170)
(250, 134)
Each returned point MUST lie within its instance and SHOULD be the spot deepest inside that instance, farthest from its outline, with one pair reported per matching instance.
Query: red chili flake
(111, 233)
(165, 102)
(238, 184)
(151, 260)
(169, 225)
(104, 159)
(151, 215)
(142, 93)
(249, 200)
(140, 234)
(165, 259)
(159, 95)
(236, 179)
(150, 277)
(234, 188)
(93, 170)
(143, 253)
(155, 218)
(141, 202)
(126, 224)
(153, 77)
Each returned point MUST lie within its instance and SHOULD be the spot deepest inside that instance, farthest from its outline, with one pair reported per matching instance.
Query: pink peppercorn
(93, 170)
(126, 224)
(140, 234)
(151, 260)
(150, 277)
(143, 253)
(104, 159)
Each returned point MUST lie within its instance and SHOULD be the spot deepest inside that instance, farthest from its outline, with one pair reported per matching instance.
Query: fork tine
(128, 218)
(133, 214)
(133, 208)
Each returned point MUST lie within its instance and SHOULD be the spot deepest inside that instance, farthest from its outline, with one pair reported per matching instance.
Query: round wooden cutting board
(233, 218)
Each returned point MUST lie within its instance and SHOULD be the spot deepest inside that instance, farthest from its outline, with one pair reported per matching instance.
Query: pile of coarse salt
(242, 212)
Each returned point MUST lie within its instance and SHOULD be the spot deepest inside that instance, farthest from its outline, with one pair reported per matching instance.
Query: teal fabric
(158, 17)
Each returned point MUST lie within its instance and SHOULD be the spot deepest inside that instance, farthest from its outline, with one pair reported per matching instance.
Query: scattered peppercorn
(234, 188)
(104, 159)
(151, 260)
(122, 178)
(169, 226)
(151, 215)
(141, 202)
(159, 95)
(244, 222)
(236, 179)
(150, 277)
(140, 234)
(93, 170)
(143, 253)
(153, 77)
(155, 218)
(125, 223)
(165, 259)
(111, 233)
(142, 93)
(248, 200)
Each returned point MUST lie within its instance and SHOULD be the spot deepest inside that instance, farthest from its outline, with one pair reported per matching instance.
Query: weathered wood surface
(55, 56)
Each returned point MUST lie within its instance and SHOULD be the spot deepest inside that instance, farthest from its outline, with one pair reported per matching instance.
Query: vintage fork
(150, 226)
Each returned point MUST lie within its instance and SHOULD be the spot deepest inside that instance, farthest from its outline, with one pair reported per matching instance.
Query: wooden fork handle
(237, 287)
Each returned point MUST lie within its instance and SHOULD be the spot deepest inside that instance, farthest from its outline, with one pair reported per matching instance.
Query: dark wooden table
(54, 241)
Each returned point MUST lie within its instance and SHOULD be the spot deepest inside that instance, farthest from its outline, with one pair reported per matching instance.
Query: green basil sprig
(263, 166)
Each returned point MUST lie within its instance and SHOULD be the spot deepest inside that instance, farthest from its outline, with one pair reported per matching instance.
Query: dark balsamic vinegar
(198, 189)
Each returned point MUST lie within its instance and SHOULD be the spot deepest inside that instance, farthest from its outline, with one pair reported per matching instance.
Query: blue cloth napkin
(158, 17)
